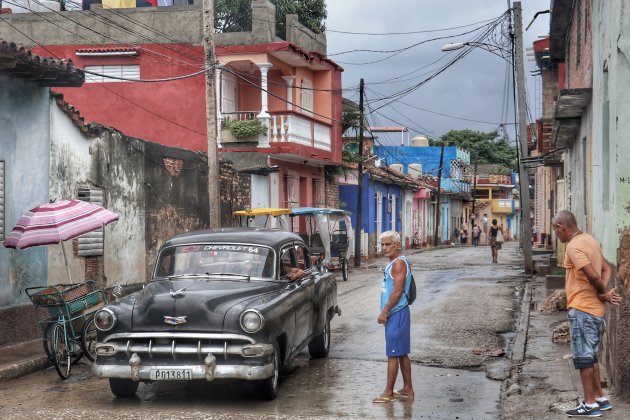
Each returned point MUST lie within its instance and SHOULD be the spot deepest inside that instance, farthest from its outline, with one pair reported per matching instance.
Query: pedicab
(328, 232)
(264, 217)
(64, 311)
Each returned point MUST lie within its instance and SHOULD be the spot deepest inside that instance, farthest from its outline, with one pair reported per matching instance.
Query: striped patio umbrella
(58, 221)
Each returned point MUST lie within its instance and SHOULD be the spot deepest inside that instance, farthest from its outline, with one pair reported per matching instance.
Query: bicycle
(65, 313)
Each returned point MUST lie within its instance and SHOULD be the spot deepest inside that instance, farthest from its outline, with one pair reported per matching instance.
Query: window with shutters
(229, 93)
(306, 97)
(2, 200)
(91, 244)
(128, 71)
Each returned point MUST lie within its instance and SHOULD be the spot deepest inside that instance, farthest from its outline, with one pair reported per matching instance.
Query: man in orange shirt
(587, 277)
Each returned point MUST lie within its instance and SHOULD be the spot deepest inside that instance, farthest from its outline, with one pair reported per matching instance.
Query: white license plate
(171, 374)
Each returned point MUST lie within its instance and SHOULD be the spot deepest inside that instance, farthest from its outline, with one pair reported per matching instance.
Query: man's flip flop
(383, 399)
(399, 394)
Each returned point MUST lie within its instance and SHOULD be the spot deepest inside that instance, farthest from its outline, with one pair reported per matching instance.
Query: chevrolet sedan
(230, 303)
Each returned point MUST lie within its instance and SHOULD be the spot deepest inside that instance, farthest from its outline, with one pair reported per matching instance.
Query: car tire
(320, 345)
(123, 388)
(268, 388)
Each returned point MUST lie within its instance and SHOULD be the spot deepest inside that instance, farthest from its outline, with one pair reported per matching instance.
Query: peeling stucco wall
(24, 134)
(611, 175)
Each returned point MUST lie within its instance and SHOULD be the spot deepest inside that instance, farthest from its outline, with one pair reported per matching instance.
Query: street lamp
(519, 69)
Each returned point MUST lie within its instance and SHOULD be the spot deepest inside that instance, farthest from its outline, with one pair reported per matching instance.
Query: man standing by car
(396, 319)
(587, 277)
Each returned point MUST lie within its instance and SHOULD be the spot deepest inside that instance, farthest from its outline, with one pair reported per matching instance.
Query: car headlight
(252, 321)
(105, 319)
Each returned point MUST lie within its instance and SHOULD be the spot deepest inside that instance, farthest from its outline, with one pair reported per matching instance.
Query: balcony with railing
(280, 127)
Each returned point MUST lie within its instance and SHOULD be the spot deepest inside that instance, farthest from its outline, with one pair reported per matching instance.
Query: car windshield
(252, 261)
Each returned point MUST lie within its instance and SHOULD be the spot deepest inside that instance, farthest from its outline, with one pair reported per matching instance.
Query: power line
(407, 33)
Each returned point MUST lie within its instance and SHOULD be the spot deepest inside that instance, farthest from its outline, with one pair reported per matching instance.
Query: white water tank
(420, 141)
(415, 170)
(396, 167)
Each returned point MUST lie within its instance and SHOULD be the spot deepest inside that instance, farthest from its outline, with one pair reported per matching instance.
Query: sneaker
(583, 410)
(604, 404)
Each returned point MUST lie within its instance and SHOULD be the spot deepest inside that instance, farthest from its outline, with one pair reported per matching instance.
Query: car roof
(260, 236)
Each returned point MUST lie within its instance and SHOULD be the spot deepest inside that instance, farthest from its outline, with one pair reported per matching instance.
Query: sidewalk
(543, 382)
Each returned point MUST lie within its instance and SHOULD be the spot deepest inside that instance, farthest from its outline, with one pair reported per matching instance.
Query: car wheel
(344, 269)
(123, 388)
(320, 345)
(268, 388)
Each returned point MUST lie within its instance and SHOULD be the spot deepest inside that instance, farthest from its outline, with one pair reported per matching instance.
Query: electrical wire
(408, 33)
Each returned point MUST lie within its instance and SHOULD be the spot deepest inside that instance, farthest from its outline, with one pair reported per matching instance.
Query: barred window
(91, 244)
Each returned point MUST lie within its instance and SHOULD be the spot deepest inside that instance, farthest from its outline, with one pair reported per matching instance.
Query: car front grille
(174, 346)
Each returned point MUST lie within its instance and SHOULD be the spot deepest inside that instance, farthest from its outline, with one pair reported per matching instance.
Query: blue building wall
(25, 150)
(348, 196)
(428, 156)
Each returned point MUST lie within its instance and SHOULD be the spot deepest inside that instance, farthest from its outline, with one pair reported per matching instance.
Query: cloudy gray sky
(473, 88)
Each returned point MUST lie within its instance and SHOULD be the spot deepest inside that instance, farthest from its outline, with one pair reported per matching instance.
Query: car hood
(194, 305)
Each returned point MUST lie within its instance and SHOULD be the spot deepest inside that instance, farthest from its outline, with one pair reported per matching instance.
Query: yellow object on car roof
(262, 211)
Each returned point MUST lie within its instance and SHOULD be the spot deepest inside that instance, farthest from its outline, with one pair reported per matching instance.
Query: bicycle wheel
(48, 331)
(88, 339)
(60, 352)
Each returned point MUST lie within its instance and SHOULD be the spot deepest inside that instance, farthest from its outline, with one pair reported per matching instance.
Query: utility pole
(437, 197)
(474, 194)
(523, 175)
(357, 233)
(214, 198)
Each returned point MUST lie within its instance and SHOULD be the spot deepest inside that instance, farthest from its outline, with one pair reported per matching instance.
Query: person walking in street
(463, 234)
(396, 319)
(495, 245)
(476, 233)
(588, 275)
(455, 236)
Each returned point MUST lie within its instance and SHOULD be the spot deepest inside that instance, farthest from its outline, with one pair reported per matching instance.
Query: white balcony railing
(289, 127)
(285, 127)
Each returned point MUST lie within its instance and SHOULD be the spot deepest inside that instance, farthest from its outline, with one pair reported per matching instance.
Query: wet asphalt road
(465, 311)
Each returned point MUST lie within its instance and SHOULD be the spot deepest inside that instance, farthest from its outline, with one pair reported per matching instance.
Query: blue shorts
(586, 334)
(398, 333)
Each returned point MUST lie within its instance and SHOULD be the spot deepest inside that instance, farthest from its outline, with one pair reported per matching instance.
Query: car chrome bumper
(138, 370)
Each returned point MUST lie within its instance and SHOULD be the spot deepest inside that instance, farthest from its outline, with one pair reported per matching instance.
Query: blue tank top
(388, 287)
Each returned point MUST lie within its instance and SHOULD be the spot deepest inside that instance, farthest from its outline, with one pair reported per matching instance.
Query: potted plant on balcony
(242, 130)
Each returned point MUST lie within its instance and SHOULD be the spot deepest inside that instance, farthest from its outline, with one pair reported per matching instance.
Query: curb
(23, 368)
(518, 349)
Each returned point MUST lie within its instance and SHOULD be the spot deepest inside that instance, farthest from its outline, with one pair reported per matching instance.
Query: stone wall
(235, 192)
(332, 192)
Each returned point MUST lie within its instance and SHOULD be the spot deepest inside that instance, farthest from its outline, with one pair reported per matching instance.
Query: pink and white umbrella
(59, 221)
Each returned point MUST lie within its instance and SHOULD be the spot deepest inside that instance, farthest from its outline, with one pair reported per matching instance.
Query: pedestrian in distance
(455, 236)
(495, 244)
(396, 319)
(476, 233)
(588, 275)
(463, 234)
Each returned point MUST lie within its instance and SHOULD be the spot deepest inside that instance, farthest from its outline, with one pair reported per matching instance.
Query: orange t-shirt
(582, 250)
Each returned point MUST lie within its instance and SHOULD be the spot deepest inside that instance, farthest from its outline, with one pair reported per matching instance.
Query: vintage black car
(220, 305)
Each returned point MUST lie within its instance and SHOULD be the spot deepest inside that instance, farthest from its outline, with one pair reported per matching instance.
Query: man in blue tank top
(395, 317)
